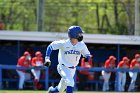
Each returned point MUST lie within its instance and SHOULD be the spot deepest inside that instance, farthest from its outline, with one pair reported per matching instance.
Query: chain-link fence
(94, 16)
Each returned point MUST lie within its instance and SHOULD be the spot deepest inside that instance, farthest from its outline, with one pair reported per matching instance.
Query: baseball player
(23, 61)
(135, 64)
(110, 63)
(37, 62)
(84, 76)
(122, 75)
(70, 51)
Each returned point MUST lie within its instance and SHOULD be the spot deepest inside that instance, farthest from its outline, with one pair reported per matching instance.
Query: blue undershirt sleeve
(49, 51)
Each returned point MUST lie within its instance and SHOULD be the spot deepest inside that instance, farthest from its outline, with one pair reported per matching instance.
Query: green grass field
(38, 91)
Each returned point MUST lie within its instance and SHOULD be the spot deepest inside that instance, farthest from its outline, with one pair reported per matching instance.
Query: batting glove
(47, 62)
(87, 58)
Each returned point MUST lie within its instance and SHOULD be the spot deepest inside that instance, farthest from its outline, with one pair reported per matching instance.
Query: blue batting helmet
(75, 32)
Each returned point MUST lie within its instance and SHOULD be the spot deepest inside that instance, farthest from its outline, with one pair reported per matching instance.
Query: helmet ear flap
(80, 37)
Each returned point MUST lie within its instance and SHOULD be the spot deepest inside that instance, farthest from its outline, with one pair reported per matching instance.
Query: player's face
(138, 59)
(74, 41)
(38, 56)
(126, 61)
(28, 57)
(112, 61)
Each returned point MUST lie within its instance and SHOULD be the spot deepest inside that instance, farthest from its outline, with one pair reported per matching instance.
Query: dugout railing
(46, 81)
(13, 67)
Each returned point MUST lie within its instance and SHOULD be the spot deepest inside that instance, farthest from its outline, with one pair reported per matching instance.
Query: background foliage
(94, 16)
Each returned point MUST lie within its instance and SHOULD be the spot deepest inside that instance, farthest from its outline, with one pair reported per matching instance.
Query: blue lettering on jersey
(72, 52)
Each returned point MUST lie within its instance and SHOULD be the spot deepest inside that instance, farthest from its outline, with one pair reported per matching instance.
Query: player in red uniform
(23, 61)
(85, 75)
(135, 64)
(122, 75)
(37, 62)
(110, 63)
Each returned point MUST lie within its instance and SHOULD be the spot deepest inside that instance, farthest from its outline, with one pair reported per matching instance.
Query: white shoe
(49, 89)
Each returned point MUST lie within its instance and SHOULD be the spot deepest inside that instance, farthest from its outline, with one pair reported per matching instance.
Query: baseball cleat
(49, 90)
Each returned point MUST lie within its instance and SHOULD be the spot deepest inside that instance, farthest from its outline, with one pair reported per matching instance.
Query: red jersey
(134, 63)
(109, 64)
(122, 64)
(23, 62)
(87, 65)
(37, 61)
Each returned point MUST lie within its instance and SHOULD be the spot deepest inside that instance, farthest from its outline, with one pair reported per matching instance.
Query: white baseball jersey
(69, 54)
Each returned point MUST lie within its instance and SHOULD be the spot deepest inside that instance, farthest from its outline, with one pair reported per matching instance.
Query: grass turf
(38, 91)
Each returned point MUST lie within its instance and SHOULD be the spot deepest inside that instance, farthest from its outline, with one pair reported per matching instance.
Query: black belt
(72, 67)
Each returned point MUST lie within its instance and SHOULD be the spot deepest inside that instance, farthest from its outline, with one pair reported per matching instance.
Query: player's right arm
(120, 65)
(20, 61)
(21, 64)
(33, 63)
(48, 54)
(132, 64)
(106, 65)
(53, 46)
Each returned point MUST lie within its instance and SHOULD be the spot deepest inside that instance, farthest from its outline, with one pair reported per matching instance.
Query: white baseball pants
(67, 75)
(122, 80)
(36, 73)
(22, 77)
(106, 77)
(133, 76)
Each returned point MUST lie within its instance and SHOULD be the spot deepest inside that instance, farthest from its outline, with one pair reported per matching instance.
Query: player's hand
(87, 58)
(47, 62)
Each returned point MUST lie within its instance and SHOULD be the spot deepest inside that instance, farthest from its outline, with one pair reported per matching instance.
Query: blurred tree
(94, 16)
(18, 14)
(2, 25)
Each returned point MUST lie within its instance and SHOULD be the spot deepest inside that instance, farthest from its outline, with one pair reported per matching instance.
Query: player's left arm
(119, 65)
(86, 54)
(33, 63)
